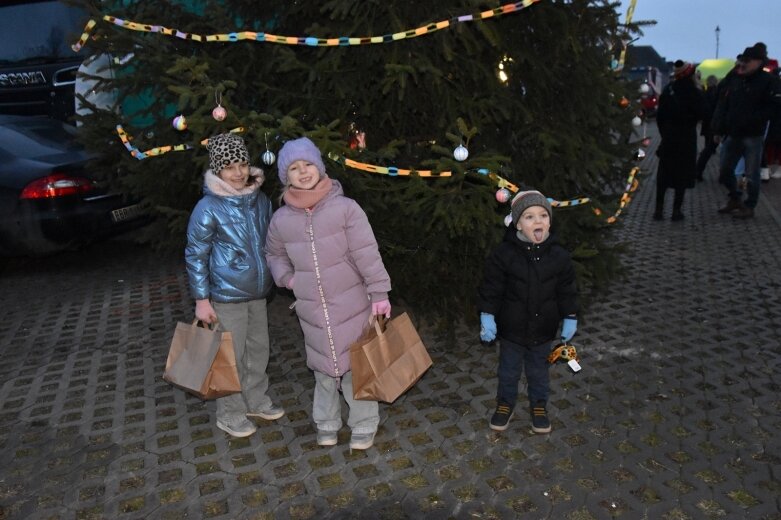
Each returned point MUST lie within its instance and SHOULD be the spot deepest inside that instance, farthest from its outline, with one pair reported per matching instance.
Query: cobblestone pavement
(675, 415)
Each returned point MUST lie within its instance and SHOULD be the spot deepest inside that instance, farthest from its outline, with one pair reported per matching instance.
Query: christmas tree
(530, 95)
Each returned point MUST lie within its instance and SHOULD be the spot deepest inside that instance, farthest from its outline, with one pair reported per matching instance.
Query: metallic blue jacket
(224, 253)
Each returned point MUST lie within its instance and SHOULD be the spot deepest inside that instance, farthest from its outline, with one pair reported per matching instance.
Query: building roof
(645, 56)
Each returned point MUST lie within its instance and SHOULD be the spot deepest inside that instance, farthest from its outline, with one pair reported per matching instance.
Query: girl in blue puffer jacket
(229, 278)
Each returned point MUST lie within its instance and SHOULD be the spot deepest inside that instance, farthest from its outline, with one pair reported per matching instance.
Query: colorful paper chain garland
(630, 12)
(303, 40)
(631, 183)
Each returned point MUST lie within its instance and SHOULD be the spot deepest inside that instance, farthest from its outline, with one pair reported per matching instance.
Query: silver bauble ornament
(636, 121)
(268, 157)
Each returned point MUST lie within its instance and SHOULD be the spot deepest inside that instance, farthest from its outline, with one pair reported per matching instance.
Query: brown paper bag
(201, 361)
(385, 364)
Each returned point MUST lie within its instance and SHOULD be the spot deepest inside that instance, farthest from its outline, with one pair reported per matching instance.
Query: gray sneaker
(272, 413)
(326, 438)
(240, 428)
(362, 441)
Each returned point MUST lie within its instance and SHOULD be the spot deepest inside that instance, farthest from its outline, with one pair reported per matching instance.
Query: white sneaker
(272, 413)
(362, 441)
(241, 428)
(764, 174)
(775, 171)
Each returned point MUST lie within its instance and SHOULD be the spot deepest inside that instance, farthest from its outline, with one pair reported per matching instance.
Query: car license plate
(126, 213)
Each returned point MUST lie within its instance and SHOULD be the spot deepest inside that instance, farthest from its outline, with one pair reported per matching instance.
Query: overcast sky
(686, 29)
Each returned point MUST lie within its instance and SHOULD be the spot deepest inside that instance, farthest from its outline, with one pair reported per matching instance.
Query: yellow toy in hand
(566, 352)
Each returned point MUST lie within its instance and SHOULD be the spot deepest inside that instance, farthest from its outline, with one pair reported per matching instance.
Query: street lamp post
(718, 31)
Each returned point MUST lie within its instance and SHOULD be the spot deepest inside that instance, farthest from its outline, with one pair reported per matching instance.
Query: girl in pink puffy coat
(321, 246)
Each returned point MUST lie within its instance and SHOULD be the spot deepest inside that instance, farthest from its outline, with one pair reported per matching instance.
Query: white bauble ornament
(269, 158)
(644, 88)
(636, 121)
(508, 220)
(461, 153)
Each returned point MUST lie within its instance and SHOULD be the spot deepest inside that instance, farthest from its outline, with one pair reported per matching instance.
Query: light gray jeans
(364, 416)
(248, 324)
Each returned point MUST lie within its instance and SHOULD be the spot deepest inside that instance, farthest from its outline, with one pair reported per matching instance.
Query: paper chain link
(631, 182)
(311, 41)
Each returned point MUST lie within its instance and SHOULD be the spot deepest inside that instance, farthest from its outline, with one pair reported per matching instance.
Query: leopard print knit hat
(225, 149)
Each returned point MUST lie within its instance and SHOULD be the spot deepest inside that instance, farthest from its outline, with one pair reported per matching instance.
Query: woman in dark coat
(681, 105)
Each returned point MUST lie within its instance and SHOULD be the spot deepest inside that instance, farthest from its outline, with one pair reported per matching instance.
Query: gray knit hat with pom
(527, 199)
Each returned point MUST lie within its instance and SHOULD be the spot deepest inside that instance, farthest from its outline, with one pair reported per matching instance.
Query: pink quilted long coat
(331, 250)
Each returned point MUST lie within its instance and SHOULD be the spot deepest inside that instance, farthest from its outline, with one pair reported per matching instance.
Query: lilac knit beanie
(295, 150)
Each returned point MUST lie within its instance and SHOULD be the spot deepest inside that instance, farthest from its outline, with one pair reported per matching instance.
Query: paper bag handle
(380, 323)
(204, 325)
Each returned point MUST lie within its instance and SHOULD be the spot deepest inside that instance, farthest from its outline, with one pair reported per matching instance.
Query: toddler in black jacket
(528, 288)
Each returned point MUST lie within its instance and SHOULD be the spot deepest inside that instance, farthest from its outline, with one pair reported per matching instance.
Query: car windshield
(36, 32)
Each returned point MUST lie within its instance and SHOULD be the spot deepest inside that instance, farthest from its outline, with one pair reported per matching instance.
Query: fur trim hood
(213, 184)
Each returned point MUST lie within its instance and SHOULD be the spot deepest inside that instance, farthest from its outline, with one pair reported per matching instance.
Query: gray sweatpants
(364, 416)
(248, 324)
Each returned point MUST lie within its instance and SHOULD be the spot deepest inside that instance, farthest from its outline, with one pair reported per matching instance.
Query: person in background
(229, 278)
(528, 289)
(681, 106)
(709, 146)
(739, 122)
(773, 138)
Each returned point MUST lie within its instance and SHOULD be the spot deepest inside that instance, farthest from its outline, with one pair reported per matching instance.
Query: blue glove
(568, 328)
(487, 327)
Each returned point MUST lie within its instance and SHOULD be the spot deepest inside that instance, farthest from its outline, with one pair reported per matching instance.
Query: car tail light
(56, 185)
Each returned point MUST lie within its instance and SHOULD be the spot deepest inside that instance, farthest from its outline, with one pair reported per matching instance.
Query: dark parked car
(49, 200)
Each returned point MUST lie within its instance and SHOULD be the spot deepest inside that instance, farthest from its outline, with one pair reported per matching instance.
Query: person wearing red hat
(681, 106)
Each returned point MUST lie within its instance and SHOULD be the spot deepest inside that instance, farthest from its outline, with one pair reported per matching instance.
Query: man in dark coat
(742, 114)
(681, 105)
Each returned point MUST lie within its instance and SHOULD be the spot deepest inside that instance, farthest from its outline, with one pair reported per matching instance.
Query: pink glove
(382, 307)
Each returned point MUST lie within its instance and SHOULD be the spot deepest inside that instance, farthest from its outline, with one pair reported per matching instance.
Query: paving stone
(675, 414)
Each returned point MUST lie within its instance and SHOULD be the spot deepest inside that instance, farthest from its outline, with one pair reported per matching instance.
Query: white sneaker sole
(327, 442)
(365, 445)
(498, 428)
(235, 433)
(266, 416)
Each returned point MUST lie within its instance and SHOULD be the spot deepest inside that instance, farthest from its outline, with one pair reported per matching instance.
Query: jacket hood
(213, 185)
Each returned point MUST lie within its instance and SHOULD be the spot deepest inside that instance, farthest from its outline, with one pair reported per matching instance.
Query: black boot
(678, 203)
(658, 212)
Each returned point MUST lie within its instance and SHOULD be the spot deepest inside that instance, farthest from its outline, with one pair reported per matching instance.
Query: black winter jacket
(746, 104)
(529, 288)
